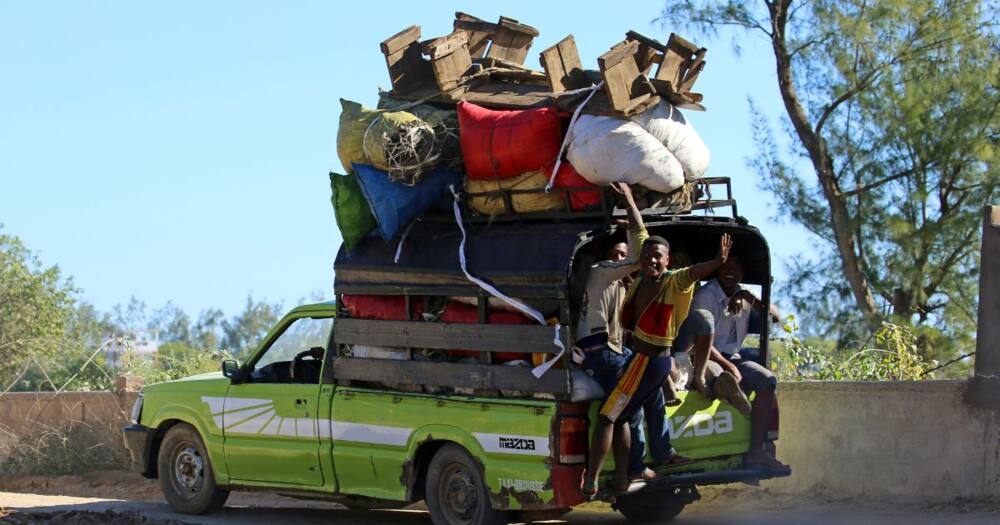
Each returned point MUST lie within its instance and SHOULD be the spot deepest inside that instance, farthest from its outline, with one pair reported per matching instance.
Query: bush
(75, 448)
(889, 354)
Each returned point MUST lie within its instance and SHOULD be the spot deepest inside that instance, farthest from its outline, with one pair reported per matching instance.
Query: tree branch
(855, 89)
(873, 185)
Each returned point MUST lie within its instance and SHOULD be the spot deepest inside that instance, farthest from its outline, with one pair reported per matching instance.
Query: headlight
(137, 409)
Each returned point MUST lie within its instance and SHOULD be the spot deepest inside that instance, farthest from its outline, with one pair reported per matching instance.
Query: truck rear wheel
(650, 509)
(186, 476)
(456, 492)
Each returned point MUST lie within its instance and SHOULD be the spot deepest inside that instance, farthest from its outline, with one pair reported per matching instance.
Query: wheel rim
(188, 470)
(459, 492)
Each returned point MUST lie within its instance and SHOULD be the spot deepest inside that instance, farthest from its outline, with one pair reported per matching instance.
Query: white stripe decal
(510, 444)
(365, 433)
(237, 417)
(250, 426)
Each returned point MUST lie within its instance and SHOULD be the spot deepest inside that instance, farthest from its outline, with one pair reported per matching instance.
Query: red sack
(465, 314)
(381, 307)
(503, 144)
(567, 177)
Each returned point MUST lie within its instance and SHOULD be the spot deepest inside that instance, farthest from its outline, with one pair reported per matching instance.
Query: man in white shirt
(725, 305)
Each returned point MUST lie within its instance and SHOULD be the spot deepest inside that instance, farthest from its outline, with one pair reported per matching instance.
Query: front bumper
(138, 441)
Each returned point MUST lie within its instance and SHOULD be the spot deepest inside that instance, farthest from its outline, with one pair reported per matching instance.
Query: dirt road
(121, 499)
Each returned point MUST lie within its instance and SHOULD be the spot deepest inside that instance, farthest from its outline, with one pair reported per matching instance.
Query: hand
(725, 243)
(623, 189)
(698, 384)
(736, 302)
(731, 368)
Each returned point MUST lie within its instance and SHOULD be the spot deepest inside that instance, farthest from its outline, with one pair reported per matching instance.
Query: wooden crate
(562, 66)
(408, 71)
(450, 59)
(628, 90)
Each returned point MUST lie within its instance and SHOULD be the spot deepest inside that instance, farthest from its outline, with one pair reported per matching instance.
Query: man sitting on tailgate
(724, 305)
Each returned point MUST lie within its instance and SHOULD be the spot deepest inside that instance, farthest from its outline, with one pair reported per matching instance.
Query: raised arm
(634, 217)
(701, 271)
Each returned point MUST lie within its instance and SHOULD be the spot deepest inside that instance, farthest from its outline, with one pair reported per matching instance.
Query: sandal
(673, 461)
(646, 475)
(589, 492)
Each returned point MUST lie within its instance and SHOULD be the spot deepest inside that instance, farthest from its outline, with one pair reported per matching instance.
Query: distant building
(144, 343)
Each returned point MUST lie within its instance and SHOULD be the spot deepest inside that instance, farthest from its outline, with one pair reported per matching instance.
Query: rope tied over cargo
(569, 130)
(539, 370)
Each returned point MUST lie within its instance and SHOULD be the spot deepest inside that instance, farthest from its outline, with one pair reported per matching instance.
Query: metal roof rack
(700, 198)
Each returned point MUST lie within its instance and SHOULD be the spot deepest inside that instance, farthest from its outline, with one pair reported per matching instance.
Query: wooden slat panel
(407, 68)
(648, 52)
(450, 58)
(447, 336)
(546, 291)
(511, 40)
(562, 66)
(480, 377)
(627, 88)
(477, 31)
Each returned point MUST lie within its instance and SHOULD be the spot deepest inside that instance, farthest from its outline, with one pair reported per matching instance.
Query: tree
(173, 323)
(36, 307)
(894, 106)
(247, 328)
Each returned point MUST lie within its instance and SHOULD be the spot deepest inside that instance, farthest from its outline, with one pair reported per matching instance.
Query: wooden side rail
(448, 336)
(457, 375)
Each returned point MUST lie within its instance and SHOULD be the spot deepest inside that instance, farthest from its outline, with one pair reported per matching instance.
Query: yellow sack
(362, 141)
(521, 202)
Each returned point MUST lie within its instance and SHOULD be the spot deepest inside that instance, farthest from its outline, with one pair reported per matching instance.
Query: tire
(186, 475)
(456, 493)
(647, 509)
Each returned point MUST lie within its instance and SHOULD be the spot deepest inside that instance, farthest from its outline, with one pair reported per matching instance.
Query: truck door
(270, 421)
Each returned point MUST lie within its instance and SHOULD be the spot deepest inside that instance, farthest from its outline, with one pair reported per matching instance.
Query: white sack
(607, 149)
(668, 125)
(378, 352)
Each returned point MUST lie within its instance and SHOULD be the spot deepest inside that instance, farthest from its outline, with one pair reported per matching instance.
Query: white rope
(539, 370)
(364, 138)
(402, 239)
(576, 114)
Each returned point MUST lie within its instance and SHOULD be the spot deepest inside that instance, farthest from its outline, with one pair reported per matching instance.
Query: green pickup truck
(479, 442)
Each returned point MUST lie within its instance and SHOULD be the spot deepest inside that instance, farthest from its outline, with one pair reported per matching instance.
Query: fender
(214, 440)
(415, 465)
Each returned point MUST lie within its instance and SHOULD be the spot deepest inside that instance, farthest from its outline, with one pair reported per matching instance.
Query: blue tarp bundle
(394, 204)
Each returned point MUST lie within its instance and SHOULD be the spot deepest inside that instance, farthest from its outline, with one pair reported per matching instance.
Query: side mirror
(231, 369)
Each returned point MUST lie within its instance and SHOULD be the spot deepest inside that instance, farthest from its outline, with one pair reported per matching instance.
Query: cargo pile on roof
(466, 119)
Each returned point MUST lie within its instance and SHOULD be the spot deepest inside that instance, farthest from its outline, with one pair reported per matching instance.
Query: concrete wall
(23, 413)
(900, 441)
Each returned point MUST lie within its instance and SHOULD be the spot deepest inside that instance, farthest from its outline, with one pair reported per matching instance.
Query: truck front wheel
(185, 472)
(456, 492)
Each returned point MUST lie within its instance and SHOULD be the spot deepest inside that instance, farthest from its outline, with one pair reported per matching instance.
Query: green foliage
(36, 308)
(888, 354)
(895, 106)
(173, 360)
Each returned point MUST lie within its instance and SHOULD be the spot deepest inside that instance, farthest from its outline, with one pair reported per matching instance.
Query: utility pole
(984, 389)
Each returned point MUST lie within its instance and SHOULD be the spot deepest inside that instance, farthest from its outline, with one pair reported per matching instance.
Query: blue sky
(180, 151)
